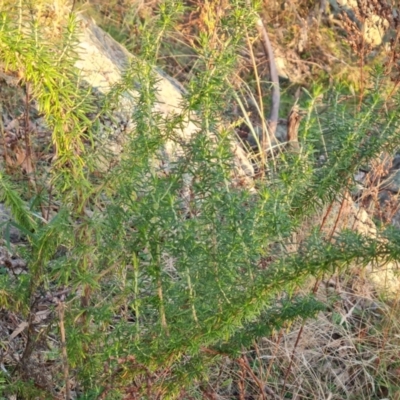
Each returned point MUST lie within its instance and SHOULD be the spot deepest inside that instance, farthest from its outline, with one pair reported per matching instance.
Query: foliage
(161, 286)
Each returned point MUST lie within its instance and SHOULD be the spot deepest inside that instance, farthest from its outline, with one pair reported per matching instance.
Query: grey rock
(102, 62)
(393, 182)
(374, 27)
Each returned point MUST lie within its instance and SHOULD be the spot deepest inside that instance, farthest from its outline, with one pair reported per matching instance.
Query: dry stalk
(293, 123)
(289, 368)
(278, 342)
(61, 309)
(342, 203)
(241, 382)
(328, 211)
(259, 91)
(245, 363)
(276, 95)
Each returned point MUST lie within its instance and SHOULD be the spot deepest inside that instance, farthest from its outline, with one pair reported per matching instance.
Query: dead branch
(276, 95)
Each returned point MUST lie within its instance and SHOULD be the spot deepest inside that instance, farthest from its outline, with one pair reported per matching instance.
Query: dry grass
(351, 351)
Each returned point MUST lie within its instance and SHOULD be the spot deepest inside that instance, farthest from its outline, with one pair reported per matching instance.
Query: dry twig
(60, 309)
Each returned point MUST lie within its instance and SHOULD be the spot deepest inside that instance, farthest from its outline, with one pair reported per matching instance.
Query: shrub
(159, 286)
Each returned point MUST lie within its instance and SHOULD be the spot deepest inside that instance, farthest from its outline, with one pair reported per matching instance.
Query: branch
(276, 95)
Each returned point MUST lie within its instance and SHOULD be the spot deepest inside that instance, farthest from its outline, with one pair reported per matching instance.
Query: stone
(101, 63)
(392, 183)
(374, 30)
(374, 26)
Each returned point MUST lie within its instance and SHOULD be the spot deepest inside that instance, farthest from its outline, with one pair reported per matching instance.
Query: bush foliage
(159, 287)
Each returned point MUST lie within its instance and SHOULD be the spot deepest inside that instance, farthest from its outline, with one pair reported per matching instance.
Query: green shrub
(160, 286)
